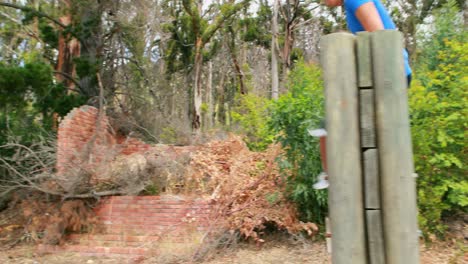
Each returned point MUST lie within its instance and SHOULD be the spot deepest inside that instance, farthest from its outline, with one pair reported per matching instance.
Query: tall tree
(29, 93)
(410, 14)
(201, 31)
(294, 13)
(274, 52)
(68, 49)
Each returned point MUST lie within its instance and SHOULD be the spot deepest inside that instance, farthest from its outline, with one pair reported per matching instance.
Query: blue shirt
(354, 25)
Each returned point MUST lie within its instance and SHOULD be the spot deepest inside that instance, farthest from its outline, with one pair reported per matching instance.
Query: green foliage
(204, 108)
(151, 189)
(447, 25)
(251, 116)
(439, 117)
(292, 115)
(180, 52)
(273, 198)
(257, 28)
(12, 85)
(48, 34)
(28, 98)
(189, 31)
(168, 135)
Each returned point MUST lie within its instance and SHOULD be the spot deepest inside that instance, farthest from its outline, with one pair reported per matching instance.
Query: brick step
(130, 240)
(142, 221)
(149, 220)
(153, 213)
(130, 251)
(156, 203)
(148, 214)
(152, 200)
(132, 226)
(153, 206)
(111, 251)
(113, 240)
(129, 229)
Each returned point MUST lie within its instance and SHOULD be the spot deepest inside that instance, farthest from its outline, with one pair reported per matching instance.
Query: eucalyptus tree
(288, 16)
(30, 95)
(293, 14)
(410, 14)
(274, 52)
(192, 30)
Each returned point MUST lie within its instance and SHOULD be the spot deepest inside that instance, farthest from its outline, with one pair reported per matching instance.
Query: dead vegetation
(32, 218)
(244, 187)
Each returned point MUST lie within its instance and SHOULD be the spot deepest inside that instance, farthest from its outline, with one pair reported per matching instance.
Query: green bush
(29, 97)
(439, 117)
(301, 108)
(251, 116)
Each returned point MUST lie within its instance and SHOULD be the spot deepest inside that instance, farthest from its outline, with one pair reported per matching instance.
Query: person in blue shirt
(368, 15)
(361, 15)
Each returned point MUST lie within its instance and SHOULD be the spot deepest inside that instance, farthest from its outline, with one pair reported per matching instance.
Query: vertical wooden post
(372, 205)
(364, 60)
(375, 245)
(343, 150)
(395, 151)
(328, 235)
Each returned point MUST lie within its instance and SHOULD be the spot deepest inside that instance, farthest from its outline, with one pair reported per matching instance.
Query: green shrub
(301, 108)
(439, 117)
(250, 118)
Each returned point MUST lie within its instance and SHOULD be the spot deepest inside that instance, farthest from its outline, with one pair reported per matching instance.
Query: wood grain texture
(371, 179)
(375, 240)
(364, 59)
(395, 152)
(343, 149)
(367, 120)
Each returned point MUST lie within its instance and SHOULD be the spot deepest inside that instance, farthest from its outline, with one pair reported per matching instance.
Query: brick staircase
(140, 226)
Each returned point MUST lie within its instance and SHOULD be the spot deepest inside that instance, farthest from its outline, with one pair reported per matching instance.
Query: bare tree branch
(73, 80)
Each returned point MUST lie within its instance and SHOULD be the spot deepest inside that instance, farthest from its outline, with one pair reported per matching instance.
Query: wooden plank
(343, 148)
(366, 108)
(375, 240)
(395, 152)
(364, 59)
(328, 235)
(371, 180)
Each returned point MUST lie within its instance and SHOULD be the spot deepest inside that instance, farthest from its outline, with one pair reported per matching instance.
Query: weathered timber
(328, 235)
(367, 122)
(371, 179)
(343, 149)
(395, 152)
(375, 240)
(364, 60)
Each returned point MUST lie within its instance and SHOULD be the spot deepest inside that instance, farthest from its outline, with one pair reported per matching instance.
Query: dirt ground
(274, 252)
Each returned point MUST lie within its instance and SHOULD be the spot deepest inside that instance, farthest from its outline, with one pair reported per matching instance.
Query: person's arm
(369, 17)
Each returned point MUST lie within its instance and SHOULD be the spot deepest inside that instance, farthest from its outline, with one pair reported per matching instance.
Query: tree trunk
(274, 53)
(220, 101)
(91, 51)
(197, 91)
(68, 49)
(288, 44)
(227, 114)
(209, 92)
(207, 113)
(237, 67)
